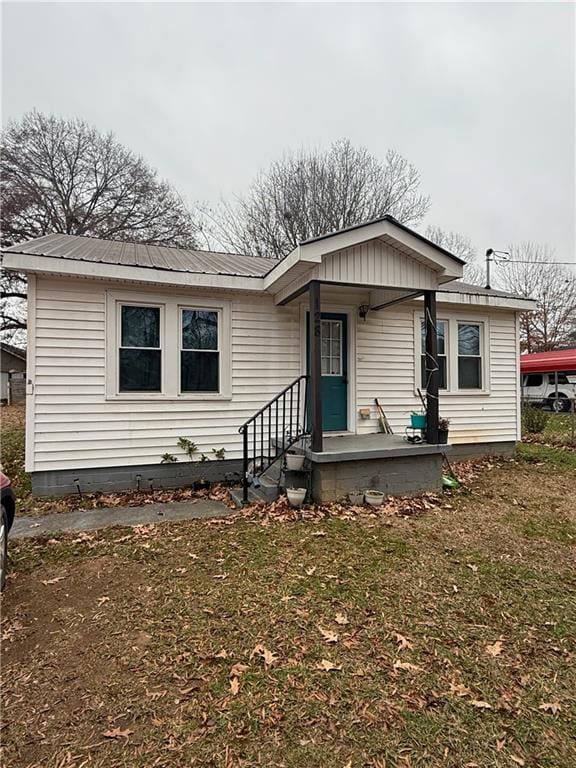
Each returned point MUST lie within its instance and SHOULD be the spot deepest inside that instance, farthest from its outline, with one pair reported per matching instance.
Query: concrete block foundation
(105, 479)
(393, 476)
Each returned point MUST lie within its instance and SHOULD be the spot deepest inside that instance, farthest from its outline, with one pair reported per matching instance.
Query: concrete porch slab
(374, 446)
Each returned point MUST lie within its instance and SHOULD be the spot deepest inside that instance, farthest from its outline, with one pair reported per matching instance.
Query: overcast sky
(480, 97)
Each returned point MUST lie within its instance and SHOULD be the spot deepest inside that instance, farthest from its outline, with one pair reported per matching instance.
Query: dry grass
(203, 644)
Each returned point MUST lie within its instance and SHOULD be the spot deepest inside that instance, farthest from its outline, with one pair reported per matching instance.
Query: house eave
(17, 262)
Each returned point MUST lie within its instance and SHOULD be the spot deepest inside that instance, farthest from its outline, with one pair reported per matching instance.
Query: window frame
(144, 393)
(447, 335)
(330, 357)
(195, 308)
(170, 342)
(480, 356)
(453, 320)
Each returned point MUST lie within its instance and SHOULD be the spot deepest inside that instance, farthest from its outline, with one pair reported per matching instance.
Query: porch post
(315, 331)
(432, 370)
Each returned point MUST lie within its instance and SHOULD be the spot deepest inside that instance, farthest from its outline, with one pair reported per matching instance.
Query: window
(562, 379)
(441, 330)
(533, 380)
(167, 347)
(331, 339)
(139, 354)
(199, 351)
(469, 356)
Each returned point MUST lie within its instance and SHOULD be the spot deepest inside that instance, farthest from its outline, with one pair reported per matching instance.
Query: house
(133, 346)
(12, 373)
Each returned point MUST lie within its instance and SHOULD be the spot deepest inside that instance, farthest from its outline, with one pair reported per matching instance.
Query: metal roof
(91, 249)
(458, 286)
(545, 362)
(394, 221)
(126, 254)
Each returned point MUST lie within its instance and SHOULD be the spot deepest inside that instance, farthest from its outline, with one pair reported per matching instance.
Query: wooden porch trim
(432, 370)
(315, 332)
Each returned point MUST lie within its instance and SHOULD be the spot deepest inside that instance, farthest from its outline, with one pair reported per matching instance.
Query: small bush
(534, 420)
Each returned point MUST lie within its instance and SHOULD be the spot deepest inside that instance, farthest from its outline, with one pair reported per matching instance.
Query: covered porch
(386, 264)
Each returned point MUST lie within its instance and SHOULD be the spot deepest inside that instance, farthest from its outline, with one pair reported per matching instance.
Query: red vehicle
(549, 378)
(8, 512)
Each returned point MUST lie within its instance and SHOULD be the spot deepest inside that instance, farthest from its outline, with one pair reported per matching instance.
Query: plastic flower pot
(418, 420)
(356, 497)
(296, 496)
(442, 436)
(374, 498)
(294, 461)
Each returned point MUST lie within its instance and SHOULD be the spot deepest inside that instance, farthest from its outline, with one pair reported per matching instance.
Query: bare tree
(309, 193)
(532, 273)
(64, 176)
(461, 246)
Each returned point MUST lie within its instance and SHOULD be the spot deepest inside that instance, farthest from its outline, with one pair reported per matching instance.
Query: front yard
(444, 638)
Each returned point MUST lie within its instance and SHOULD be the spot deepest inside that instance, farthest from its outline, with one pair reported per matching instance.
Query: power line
(536, 263)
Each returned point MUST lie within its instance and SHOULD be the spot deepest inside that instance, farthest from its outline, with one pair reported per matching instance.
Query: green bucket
(418, 420)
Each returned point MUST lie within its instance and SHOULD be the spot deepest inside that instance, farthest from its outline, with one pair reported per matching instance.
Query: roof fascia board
(312, 252)
(438, 260)
(288, 262)
(53, 265)
(482, 300)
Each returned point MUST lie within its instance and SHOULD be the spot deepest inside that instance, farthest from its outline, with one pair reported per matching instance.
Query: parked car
(540, 389)
(8, 512)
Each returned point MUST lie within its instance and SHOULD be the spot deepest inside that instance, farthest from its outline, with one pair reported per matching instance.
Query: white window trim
(170, 313)
(219, 313)
(452, 321)
(447, 337)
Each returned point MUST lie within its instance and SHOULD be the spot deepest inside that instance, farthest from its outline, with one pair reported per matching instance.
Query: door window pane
(331, 346)
(199, 351)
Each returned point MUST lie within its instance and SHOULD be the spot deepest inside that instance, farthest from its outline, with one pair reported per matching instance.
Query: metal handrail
(289, 411)
(274, 399)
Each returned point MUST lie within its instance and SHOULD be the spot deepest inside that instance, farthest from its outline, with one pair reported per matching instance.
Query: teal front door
(334, 351)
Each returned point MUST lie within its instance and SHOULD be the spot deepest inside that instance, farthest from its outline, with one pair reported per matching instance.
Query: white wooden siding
(372, 263)
(74, 426)
(387, 368)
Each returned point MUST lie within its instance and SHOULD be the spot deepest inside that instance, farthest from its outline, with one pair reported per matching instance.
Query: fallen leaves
(328, 666)
(407, 666)
(328, 635)
(459, 689)
(341, 619)
(403, 642)
(552, 707)
(55, 580)
(264, 653)
(494, 649)
(118, 733)
(481, 704)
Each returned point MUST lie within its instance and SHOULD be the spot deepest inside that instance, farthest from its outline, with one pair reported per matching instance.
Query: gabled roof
(80, 248)
(392, 220)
